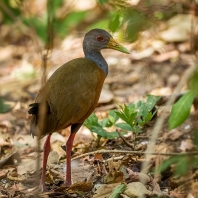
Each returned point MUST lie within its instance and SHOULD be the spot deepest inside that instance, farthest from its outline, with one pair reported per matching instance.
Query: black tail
(34, 109)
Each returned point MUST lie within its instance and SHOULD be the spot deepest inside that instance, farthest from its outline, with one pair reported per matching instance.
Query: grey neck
(97, 58)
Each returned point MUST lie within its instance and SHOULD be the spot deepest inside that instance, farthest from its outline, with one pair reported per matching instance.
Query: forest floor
(155, 66)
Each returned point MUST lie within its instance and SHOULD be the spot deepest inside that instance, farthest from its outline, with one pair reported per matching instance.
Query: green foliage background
(116, 16)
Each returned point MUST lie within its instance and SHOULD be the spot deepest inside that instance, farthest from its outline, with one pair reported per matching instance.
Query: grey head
(96, 40)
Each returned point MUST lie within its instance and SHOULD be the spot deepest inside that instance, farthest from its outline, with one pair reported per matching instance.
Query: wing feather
(79, 86)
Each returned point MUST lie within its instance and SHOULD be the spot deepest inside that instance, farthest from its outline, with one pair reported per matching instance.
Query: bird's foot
(67, 183)
(42, 186)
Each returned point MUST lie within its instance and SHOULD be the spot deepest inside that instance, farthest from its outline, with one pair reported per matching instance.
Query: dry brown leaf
(162, 148)
(194, 187)
(3, 173)
(80, 186)
(186, 145)
(138, 176)
(104, 190)
(114, 174)
(156, 187)
(98, 157)
(177, 195)
(174, 134)
(56, 174)
(136, 189)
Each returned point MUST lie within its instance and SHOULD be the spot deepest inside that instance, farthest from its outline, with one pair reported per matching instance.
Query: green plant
(179, 113)
(135, 116)
(3, 106)
(180, 164)
(99, 127)
(181, 109)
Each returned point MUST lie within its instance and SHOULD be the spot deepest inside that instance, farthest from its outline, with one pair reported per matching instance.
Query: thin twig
(124, 140)
(134, 152)
(161, 119)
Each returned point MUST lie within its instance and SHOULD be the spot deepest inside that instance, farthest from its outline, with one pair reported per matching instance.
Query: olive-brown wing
(72, 93)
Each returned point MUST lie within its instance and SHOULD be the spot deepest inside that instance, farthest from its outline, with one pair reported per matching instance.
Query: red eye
(100, 38)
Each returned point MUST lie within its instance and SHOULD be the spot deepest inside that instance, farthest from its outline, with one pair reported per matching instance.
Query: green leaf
(92, 120)
(104, 122)
(183, 166)
(118, 190)
(136, 22)
(194, 83)
(121, 115)
(124, 126)
(102, 1)
(112, 116)
(54, 5)
(103, 133)
(151, 101)
(132, 118)
(99, 131)
(112, 135)
(14, 8)
(127, 113)
(148, 117)
(140, 122)
(126, 110)
(4, 107)
(108, 122)
(71, 20)
(167, 163)
(136, 129)
(115, 22)
(180, 110)
(39, 25)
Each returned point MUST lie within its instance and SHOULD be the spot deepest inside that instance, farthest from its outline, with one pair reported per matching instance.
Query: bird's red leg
(69, 144)
(46, 150)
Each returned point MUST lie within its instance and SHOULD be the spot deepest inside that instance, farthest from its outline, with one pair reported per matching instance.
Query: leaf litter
(100, 175)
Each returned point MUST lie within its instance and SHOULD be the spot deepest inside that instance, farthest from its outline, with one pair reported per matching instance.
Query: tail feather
(34, 111)
(33, 126)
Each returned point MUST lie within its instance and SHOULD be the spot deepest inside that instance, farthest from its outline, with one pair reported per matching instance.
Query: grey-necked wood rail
(72, 93)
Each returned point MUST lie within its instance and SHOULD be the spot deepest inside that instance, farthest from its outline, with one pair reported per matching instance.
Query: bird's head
(98, 39)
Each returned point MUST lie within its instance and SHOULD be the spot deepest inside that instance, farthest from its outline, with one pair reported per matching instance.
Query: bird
(71, 94)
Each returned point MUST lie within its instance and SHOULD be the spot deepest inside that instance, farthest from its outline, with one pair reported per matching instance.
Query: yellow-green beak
(112, 44)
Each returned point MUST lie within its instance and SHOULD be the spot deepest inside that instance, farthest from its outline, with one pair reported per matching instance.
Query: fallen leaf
(138, 176)
(173, 134)
(105, 190)
(194, 187)
(136, 189)
(3, 173)
(118, 190)
(178, 195)
(186, 145)
(81, 186)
